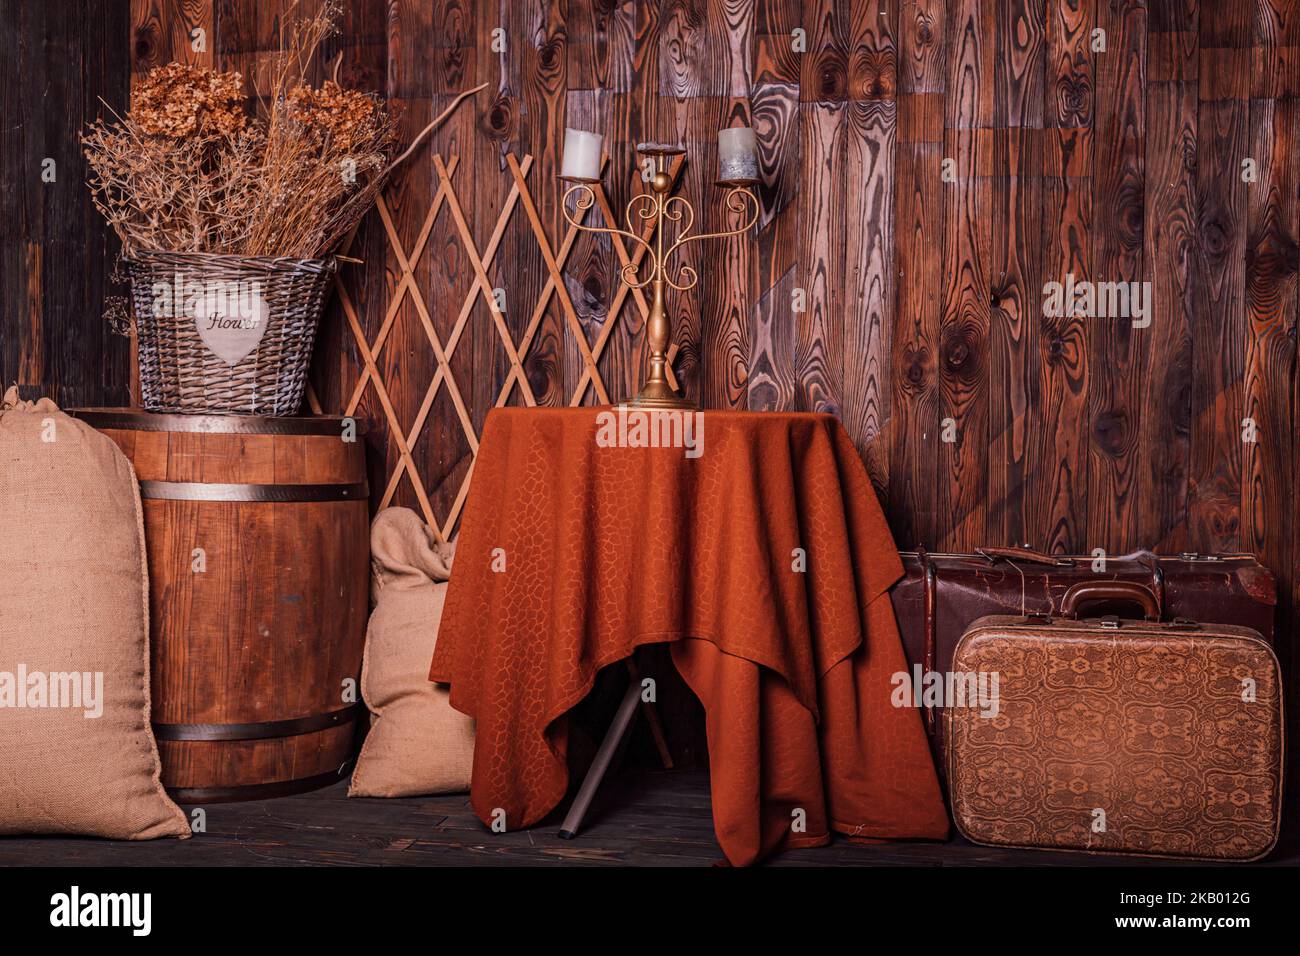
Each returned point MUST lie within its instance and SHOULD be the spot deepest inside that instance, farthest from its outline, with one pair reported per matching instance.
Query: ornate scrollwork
(644, 206)
(737, 199)
(686, 278)
(652, 207)
(584, 197)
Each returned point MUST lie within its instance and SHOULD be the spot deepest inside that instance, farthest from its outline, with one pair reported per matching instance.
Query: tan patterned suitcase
(1116, 735)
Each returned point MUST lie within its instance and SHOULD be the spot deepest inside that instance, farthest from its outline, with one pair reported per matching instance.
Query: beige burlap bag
(417, 744)
(77, 754)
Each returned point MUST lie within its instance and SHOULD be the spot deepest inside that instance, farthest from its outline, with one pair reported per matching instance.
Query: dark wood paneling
(1056, 505)
(1173, 266)
(1218, 328)
(967, 240)
(1017, 262)
(919, 210)
(868, 184)
(1118, 350)
(1098, 138)
(56, 255)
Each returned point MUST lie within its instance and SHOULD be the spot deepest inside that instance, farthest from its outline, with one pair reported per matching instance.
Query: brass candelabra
(658, 208)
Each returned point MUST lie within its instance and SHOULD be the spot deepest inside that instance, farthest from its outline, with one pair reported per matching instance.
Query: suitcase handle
(1086, 591)
(1027, 555)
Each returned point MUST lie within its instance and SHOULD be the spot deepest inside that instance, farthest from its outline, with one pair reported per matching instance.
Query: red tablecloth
(572, 554)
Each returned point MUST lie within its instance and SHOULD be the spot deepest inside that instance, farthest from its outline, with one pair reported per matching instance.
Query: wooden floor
(640, 819)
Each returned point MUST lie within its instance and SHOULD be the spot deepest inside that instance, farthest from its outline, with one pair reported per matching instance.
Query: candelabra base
(659, 395)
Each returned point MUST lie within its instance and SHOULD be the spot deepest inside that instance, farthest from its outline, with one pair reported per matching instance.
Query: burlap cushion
(417, 744)
(73, 618)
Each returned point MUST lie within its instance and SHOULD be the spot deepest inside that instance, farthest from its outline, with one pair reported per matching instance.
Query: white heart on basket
(232, 321)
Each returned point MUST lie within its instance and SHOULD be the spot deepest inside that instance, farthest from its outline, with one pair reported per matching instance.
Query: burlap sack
(417, 744)
(77, 754)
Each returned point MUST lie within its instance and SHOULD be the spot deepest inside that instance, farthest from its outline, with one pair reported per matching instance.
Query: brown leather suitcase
(1117, 735)
(940, 595)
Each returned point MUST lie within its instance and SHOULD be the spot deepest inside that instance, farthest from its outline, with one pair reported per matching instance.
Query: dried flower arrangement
(231, 222)
(188, 170)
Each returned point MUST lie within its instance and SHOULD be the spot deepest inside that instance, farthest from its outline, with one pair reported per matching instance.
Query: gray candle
(737, 154)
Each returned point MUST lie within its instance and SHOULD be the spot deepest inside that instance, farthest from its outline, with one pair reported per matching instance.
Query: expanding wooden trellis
(590, 381)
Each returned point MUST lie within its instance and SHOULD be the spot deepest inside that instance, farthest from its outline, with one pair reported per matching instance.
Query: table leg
(617, 730)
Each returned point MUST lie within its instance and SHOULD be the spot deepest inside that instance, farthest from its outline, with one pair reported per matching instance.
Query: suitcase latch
(1183, 624)
(1037, 618)
(1109, 623)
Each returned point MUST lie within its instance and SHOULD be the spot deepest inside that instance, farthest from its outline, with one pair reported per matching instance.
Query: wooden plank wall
(928, 166)
(56, 62)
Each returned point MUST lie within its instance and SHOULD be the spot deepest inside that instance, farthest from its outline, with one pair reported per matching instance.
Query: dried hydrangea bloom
(177, 101)
(192, 168)
(346, 117)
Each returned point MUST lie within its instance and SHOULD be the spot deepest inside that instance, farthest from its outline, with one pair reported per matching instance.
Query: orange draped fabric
(765, 560)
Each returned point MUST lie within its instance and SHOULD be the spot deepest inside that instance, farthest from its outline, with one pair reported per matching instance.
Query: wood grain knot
(832, 77)
(146, 43)
(962, 348)
(1132, 219)
(500, 118)
(1270, 260)
(1214, 237)
(1074, 99)
(551, 54)
(879, 72)
(1225, 523)
(916, 369)
(1110, 432)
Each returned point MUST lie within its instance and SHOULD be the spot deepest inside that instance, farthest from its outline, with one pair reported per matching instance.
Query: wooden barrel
(257, 532)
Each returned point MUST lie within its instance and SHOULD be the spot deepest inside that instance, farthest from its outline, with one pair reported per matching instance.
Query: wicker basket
(264, 312)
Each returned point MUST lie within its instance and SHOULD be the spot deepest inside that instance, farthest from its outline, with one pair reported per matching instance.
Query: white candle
(581, 154)
(737, 154)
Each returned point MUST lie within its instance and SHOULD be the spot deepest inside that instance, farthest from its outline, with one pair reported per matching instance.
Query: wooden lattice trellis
(404, 439)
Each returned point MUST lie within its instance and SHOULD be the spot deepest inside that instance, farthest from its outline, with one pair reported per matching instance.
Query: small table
(760, 553)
